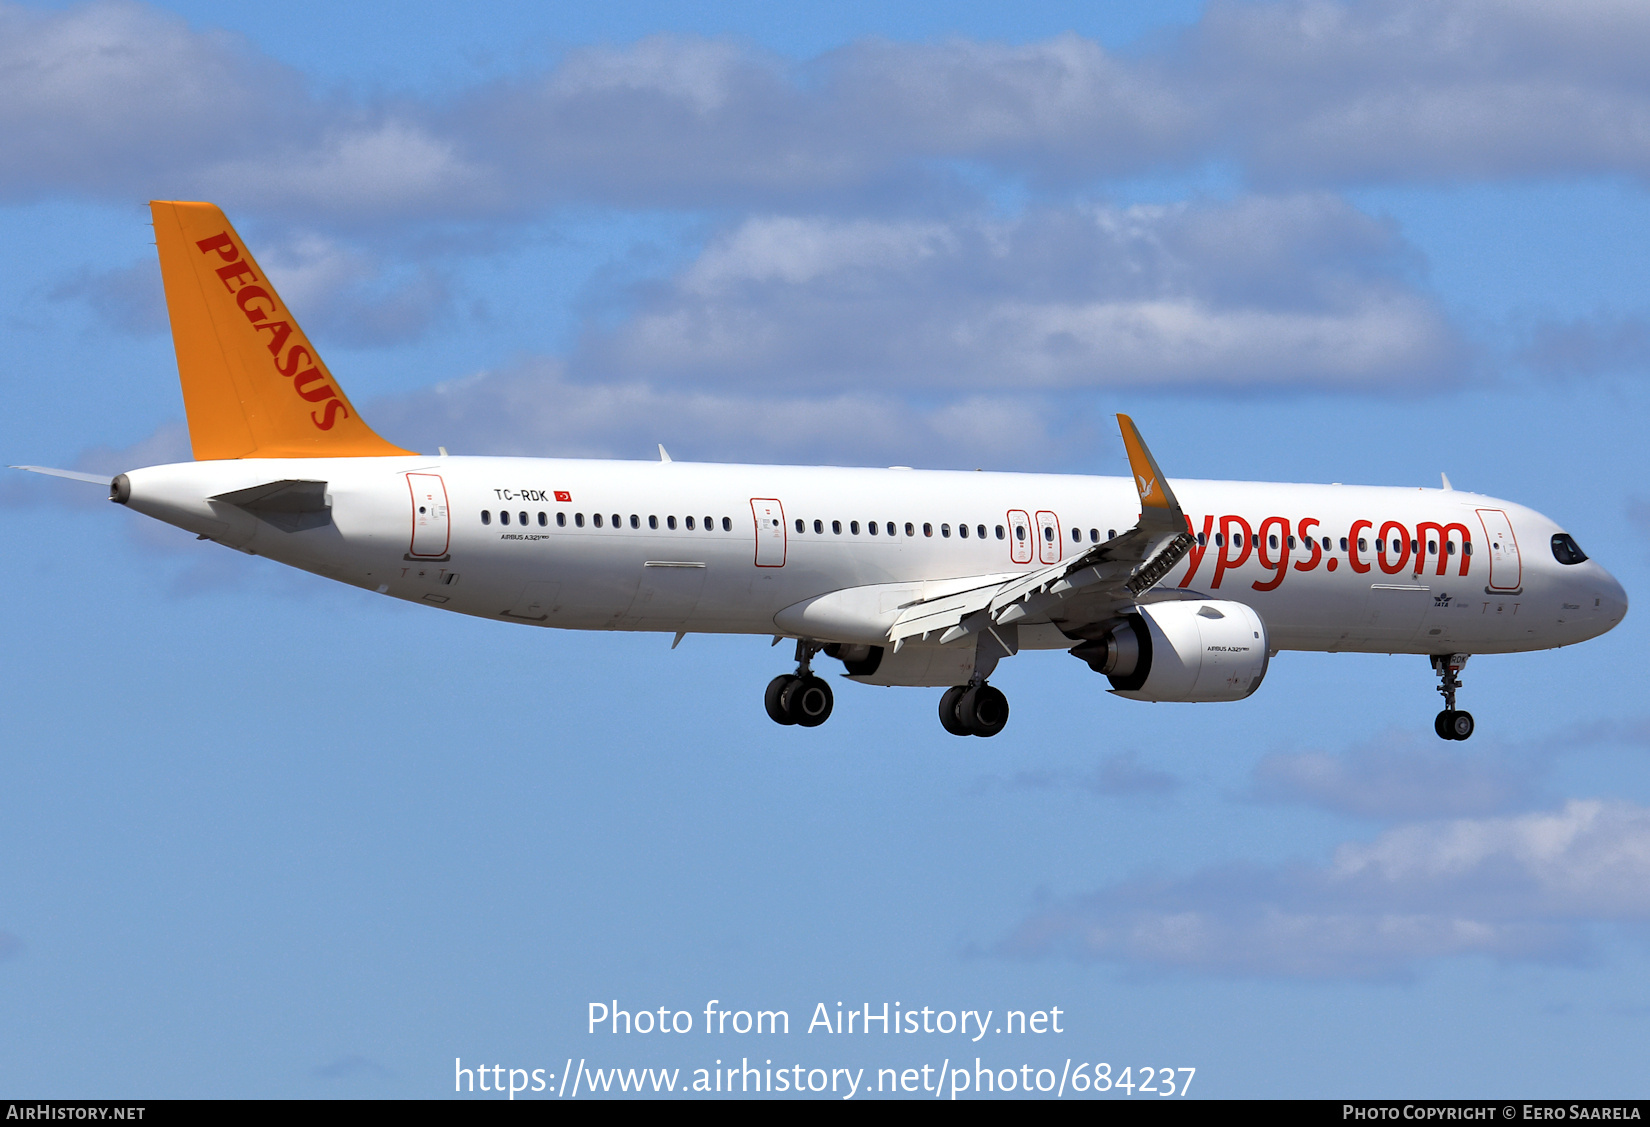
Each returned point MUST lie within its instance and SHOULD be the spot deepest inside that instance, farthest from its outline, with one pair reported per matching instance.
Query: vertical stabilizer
(253, 385)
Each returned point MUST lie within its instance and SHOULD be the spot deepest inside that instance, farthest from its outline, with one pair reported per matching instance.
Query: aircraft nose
(1612, 598)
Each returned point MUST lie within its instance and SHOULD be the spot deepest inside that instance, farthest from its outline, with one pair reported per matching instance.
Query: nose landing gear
(799, 698)
(976, 709)
(1451, 724)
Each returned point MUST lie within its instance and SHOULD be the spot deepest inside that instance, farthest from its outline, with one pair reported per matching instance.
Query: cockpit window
(1565, 550)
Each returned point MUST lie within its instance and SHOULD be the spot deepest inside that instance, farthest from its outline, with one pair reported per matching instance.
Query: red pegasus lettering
(249, 294)
(1443, 531)
(1402, 541)
(334, 408)
(1308, 541)
(1224, 542)
(314, 395)
(1281, 568)
(1352, 559)
(278, 332)
(290, 365)
(1200, 544)
(236, 270)
(223, 244)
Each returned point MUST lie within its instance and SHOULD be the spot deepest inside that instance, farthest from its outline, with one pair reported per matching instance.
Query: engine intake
(1204, 650)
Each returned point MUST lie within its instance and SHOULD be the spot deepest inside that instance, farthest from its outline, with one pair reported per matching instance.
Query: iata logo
(312, 383)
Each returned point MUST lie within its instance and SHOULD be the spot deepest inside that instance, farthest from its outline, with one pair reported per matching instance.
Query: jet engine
(1203, 650)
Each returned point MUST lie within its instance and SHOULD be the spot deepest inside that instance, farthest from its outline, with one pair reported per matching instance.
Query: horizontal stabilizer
(291, 505)
(72, 475)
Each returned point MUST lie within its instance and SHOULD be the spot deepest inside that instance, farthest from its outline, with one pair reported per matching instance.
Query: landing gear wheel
(949, 720)
(984, 709)
(1441, 725)
(807, 701)
(1460, 726)
(774, 698)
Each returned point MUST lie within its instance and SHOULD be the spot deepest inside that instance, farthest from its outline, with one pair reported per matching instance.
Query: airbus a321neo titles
(1175, 591)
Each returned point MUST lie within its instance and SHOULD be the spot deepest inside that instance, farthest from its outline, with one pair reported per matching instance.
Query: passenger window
(1000, 533)
(561, 520)
(596, 519)
(544, 520)
(1020, 532)
(890, 528)
(1272, 542)
(1202, 539)
(1237, 539)
(979, 530)
(1466, 549)
(853, 526)
(1111, 534)
(819, 526)
(871, 527)
(1343, 544)
(910, 529)
(1094, 536)
(504, 518)
(523, 521)
(689, 522)
(1220, 540)
(1566, 550)
(1077, 536)
(670, 523)
(945, 531)
(578, 519)
(1432, 547)
(927, 529)
(635, 521)
(727, 524)
(1380, 545)
(486, 517)
(1363, 544)
(652, 522)
(1449, 547)
(962, 531)
(1327, 545)
(1048, 533)
(836, 528)
(1291, 542)
(615, 520)
(800, 526)
(1415, 547)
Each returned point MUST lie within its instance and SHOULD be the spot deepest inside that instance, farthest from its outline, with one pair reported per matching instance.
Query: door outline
(1045, 546)
(1019, 536)
(776, 514)
(445, 518)
(1489, 542)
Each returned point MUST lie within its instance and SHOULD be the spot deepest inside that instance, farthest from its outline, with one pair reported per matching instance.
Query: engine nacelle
(1203, 650)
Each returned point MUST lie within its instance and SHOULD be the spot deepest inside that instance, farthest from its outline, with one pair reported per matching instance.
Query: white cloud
(1520, 886)
(1260, 292)
(1399, 777)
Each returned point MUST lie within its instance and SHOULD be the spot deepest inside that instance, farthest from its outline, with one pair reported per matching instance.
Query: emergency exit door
(431, 528)
(1506, 568)
(769, 516)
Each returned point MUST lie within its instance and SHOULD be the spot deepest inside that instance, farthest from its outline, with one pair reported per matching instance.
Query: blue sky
(268, 836)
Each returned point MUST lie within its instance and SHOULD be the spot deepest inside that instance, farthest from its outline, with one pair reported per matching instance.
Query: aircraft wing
(1106, 576)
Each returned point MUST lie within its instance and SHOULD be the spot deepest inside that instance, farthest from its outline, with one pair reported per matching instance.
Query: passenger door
(432, 530)
(1506, 568)
(769, 517)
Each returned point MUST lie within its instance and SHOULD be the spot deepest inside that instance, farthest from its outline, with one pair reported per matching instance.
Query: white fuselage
(678, 546)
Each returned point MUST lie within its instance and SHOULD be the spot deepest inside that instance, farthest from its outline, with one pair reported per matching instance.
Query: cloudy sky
(268, 837)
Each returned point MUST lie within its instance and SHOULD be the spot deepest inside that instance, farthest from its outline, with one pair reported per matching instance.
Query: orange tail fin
(253, 385)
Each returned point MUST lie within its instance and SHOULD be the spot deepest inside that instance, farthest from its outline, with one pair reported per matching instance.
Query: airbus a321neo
(1175, 591)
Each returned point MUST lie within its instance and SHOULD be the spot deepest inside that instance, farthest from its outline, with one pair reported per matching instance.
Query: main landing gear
(800, 698)
(1451, 724)
(976, 709)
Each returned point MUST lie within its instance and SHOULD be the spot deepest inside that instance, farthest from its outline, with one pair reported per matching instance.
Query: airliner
(1177, 590)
